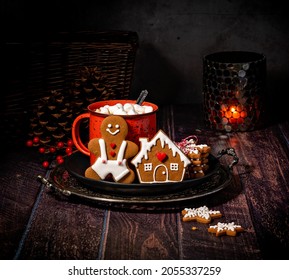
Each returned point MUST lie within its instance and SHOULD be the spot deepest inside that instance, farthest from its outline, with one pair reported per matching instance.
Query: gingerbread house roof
(164, 139)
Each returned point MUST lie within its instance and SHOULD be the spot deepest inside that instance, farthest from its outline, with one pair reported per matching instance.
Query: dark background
(173, 37)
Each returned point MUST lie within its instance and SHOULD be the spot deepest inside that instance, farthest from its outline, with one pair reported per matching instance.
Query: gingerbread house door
(161, 173)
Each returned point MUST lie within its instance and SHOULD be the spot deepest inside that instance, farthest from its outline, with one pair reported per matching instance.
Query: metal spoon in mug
(142, 97)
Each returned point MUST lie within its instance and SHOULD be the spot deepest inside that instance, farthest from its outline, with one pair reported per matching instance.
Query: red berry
(45, 164)
(68, 150)
(60, 145)
(29, 143)
(36, 139)
(41, 150)
(52, 150)
(70, 143)
(60, 160)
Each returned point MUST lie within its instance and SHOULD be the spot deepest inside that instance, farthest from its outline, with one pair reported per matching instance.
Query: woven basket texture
(33, 69)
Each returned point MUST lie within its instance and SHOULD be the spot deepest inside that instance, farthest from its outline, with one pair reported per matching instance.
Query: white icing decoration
(202, 212)
(121, 151)
(112, 132)
(117, 167)
(103, 154)
(225, 226)
(174, 166)
(148, 167)
(164, 173)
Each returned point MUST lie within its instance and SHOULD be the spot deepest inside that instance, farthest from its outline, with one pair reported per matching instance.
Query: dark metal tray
(77, 163)
(62, 181)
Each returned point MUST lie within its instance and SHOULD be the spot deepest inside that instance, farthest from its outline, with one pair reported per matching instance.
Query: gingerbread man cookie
(226, 229)
(112, 152)
(202, 214)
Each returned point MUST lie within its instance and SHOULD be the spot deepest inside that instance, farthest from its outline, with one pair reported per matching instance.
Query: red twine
(188, 144)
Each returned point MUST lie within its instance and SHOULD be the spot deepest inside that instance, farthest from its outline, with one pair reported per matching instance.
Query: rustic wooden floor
(37, 224)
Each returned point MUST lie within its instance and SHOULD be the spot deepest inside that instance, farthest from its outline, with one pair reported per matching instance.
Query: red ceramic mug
(140, 125)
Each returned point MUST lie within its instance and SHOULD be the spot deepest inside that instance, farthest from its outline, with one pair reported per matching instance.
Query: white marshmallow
(113, 108)
(131, 112)
(126, 109)
(148, 109)
(120, 111)
(139, 109)
(104, 110)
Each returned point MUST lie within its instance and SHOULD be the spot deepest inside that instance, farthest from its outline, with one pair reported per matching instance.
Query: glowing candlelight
(233, 87)
(233, 115)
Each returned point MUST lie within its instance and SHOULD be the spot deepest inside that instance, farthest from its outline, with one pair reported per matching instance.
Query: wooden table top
(37, 223)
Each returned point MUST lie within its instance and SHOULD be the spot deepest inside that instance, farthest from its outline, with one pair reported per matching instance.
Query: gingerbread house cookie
(160, 160)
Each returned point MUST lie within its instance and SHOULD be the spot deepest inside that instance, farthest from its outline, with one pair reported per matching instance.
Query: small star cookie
(225, 229)
(201, 214)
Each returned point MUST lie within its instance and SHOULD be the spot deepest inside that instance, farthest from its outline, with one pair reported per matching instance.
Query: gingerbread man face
(112, 151)
(114, 128)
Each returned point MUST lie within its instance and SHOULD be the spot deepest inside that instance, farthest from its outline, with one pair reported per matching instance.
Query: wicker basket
(33, 69)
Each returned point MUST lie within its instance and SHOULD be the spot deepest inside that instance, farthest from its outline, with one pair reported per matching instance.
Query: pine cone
(53, 117)
(92, 86)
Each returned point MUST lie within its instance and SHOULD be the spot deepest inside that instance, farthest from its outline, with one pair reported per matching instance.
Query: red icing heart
(161, 156)
(113, 145)
(112, 153)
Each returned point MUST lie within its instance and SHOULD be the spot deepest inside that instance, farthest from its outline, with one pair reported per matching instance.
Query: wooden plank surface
(18, 192)
(37, 224)
(264, 172)
(62, 229)
(231, 201)
(146, 236)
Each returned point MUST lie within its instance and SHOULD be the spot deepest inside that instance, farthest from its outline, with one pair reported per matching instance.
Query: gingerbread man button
(112, 151)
